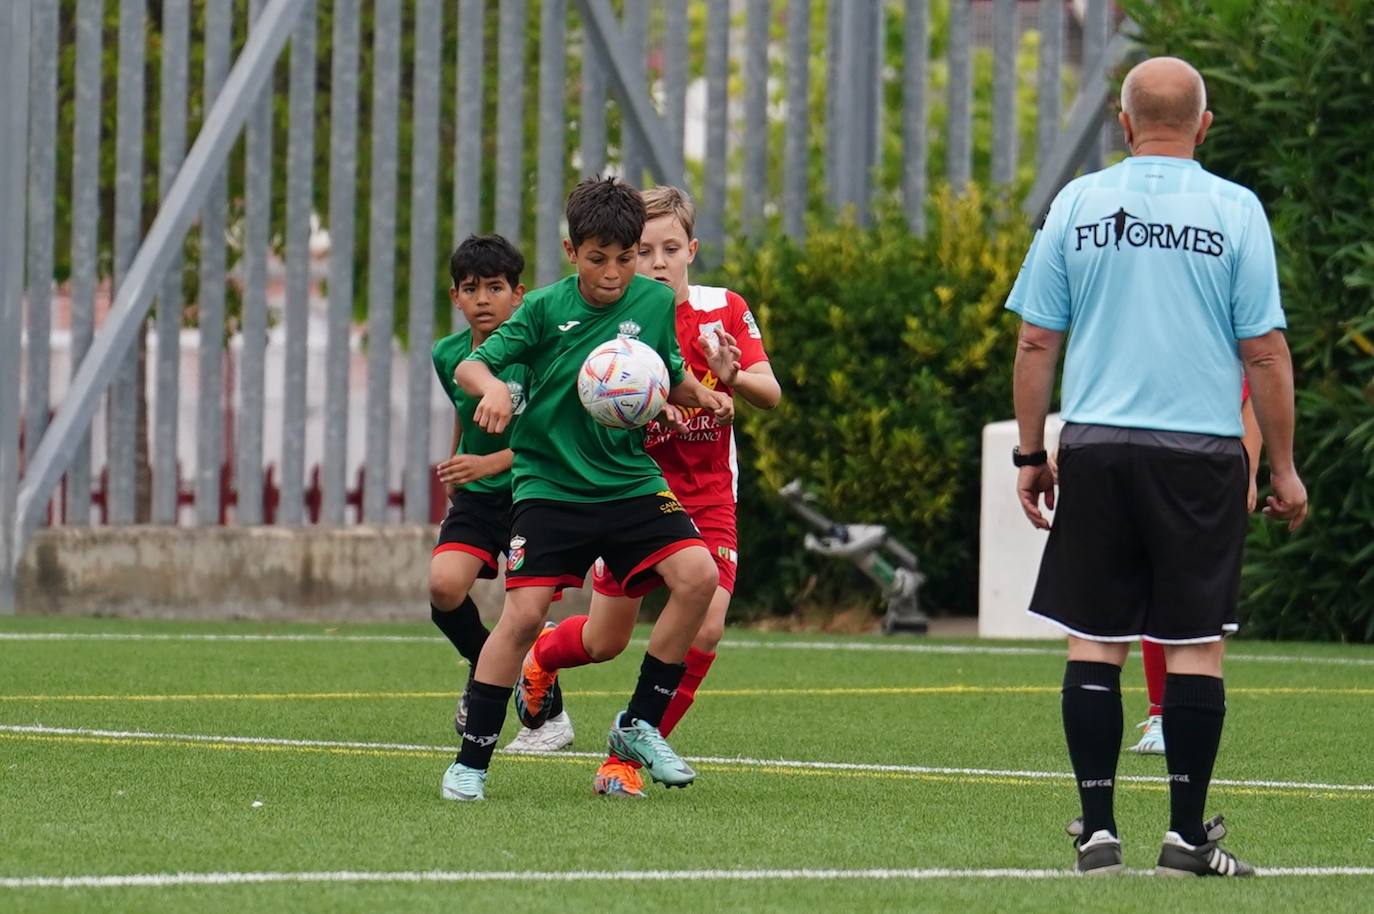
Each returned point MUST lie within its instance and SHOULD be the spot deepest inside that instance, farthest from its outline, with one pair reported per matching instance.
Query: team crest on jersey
(515, 559)
(517, 397)
(630, 330)
(752, 325)
(709, 329)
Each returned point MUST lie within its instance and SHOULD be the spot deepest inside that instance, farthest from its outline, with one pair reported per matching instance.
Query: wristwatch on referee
(1033, 459)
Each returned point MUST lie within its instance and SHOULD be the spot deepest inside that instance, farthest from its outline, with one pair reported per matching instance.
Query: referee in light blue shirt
(1162, 276)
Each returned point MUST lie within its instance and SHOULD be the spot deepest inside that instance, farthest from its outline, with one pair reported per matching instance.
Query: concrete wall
(277, 573)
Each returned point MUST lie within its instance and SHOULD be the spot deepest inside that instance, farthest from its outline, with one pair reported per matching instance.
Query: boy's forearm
(472, 376)
(500, 461)
(758, 388)
(687, 392)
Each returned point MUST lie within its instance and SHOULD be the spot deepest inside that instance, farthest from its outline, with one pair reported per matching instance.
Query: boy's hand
(673, 417)
(494, 409)
(461, 469)
(722, 406)
(722, 355)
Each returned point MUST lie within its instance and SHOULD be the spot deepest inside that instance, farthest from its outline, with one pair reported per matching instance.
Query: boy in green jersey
(582, 490)
(486, 289)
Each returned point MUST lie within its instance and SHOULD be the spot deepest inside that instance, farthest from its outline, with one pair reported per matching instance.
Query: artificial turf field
(116, 761)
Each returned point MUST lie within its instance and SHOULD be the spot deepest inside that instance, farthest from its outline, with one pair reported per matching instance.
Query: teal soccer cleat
(641, 742)
(463, 783)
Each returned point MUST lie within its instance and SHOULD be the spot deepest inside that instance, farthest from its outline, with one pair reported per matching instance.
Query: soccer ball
(623, 384)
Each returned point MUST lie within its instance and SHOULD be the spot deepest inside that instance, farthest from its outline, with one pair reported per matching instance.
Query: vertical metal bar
(592, 143)
(300, 155)
(755, 187)
(1094, 43)
(124, 394)
(171, 151)
(1003, 91)
(343, 173)
(256, 238)
(877, 63)
(834, 33)
(1049, 86)
(15, 22)
(42, 131)
(510, 132)
(915, 54)
(549, 187)
(848, 109)
(636, 30)
(467, 141)
(209, 397)
(675, 75)
(794, 150)
(90, 16)
(423, 224)
(959, 144)
(381, 257)
(872, 106)
(711, 224)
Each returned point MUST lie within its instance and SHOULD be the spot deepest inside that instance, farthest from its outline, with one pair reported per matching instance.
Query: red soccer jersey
(700, 465)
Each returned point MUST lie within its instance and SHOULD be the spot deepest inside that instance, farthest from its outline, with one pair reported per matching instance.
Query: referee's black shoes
(1179, 858)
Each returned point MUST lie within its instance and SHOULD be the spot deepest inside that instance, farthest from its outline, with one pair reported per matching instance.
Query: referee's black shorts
(1147, 536)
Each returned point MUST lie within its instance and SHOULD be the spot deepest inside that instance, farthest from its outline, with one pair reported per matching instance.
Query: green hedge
(1291, 84)
(893, 352)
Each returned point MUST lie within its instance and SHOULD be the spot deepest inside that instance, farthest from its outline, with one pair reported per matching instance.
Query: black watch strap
(1033, 459)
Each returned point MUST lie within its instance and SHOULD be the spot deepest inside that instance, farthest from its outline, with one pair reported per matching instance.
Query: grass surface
(143, 799)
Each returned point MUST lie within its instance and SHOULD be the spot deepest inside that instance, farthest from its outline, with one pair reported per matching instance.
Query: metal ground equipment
(884, 560)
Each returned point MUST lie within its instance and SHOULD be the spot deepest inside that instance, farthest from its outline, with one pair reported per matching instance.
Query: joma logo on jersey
(1122, 226)
(630, 330)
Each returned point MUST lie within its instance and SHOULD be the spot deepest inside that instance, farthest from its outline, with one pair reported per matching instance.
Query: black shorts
(477, 523)
(1146, 541)
(553, 543)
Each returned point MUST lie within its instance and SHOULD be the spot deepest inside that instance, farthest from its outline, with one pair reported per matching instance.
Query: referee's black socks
(1092, 727)
(1194, 711)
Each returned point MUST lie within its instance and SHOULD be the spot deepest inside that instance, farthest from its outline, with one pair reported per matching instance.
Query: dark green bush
(893, 352)
(1291, 85)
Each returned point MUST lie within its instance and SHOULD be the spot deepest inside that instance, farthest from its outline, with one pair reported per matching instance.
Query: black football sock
(486, 714)
(1194, 711)
(1092, 726)
(463, 627)
(658, 682)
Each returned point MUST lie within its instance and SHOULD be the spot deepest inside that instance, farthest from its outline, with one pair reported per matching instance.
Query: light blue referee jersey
(1156, 268)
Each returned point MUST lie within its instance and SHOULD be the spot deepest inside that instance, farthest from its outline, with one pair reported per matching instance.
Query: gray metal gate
(595, 66)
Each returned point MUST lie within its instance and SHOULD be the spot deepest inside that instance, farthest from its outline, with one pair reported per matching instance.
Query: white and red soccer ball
(623, 384)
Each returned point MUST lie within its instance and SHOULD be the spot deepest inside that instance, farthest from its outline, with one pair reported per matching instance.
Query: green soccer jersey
(561, 453)
(447, 353)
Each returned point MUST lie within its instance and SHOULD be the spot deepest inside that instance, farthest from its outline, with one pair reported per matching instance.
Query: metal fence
(771, 111)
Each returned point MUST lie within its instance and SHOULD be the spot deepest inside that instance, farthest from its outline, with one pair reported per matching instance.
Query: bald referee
(1162, 276)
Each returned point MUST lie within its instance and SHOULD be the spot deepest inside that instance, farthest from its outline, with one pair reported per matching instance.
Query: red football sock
(1153, 656)
(562, 648)
(698, 662)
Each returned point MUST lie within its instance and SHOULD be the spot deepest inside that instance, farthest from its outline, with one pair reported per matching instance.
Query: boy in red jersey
(722, 345)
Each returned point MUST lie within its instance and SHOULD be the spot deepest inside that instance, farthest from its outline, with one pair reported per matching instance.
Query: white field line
(168, 880)
(742, 762)
(730, 643)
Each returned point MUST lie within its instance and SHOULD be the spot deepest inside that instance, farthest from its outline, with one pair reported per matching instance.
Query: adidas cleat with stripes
(1179, 858)
(1099, 855)
(641, 742)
